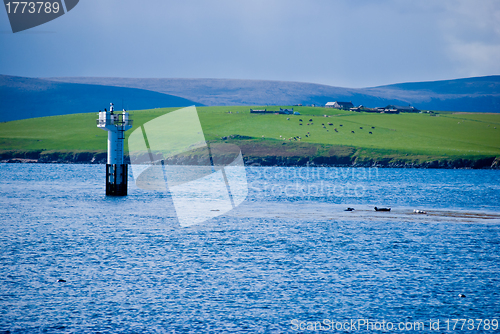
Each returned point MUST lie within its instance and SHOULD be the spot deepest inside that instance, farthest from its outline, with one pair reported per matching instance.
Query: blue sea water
(288, 260)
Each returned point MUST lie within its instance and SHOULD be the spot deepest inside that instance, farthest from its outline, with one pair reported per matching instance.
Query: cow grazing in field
(310, 120)
(300, 120)
(300, 124)
(340, 124)
(330, 124)
(370, 132)
(336, 130)
(373, 127)
(361, 127)
(352, 131)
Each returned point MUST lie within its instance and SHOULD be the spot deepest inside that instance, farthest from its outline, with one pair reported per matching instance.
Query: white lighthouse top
(114, 122)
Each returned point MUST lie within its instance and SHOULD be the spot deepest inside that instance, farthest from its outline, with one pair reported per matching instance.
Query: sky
(342, 43)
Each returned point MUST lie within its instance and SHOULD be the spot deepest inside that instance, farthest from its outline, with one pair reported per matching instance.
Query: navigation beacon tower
(116, 169)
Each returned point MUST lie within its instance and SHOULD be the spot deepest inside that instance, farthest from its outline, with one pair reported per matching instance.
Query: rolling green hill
(399, 138)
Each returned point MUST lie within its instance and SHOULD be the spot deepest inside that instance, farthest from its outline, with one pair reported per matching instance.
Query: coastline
(352, 158)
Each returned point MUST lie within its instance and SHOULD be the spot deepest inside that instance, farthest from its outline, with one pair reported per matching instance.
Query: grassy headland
(420, 140)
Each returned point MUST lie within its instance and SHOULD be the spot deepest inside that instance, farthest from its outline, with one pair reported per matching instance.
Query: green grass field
(446, 134)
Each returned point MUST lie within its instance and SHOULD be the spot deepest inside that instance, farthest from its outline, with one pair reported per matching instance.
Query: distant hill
(31, 97)
(22, 98)
(479, 94)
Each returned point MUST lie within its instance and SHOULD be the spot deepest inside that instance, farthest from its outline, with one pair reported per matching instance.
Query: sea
(289, 259)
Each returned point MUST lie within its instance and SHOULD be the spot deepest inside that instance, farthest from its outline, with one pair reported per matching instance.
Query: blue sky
(341, 43)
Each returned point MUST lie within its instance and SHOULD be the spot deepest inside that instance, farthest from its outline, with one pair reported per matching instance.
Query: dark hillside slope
(479, 94)
(22, 98)
(467, 86)
(231, 92)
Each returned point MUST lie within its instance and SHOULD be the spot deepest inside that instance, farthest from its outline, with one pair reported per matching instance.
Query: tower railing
(104, 122)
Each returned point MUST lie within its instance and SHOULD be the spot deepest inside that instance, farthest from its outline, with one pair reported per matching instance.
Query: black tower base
(116, 180)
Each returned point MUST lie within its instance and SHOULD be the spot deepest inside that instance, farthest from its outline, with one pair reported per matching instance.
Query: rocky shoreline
(250, 159)
(484, 163)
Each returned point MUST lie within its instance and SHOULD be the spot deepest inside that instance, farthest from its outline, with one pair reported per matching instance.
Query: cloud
(471, 30)
(344, 43)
